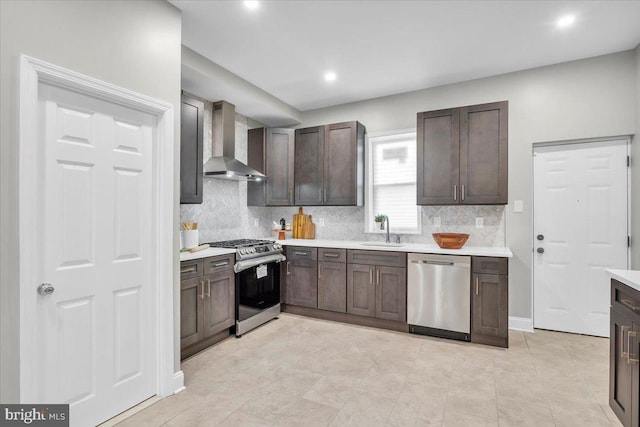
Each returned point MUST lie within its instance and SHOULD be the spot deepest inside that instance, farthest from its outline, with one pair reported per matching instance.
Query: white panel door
(96, 331)
(580, 229)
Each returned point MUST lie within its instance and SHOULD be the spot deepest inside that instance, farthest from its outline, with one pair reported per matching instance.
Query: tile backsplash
(224, 213)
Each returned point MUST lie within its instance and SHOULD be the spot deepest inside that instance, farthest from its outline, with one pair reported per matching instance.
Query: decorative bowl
(450, 240)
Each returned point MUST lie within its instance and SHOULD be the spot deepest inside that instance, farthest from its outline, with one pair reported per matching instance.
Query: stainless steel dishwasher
(439, 295)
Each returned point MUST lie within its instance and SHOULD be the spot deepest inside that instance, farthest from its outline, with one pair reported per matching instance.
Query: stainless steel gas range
(257, 271)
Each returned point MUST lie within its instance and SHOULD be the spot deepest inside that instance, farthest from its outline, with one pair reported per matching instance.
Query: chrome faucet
(386, 218)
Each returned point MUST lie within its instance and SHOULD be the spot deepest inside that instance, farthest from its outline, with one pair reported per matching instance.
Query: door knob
(46, 289)
(540, 237)
(540, 250)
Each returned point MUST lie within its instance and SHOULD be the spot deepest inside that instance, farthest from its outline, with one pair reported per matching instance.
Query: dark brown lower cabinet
(490, 301)
(207, 302)
(301, 279)
(376, 290)
(332, 286)
(624, 352)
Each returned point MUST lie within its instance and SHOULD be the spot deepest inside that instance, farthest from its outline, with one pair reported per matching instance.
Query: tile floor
(297, 371)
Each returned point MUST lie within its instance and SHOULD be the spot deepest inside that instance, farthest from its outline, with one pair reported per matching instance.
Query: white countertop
(423, 248)
(630, 278)
(205, 253)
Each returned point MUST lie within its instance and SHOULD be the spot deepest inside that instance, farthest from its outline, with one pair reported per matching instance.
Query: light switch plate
(256, 222)
(518, 206)
(321, 222)
(480, 222)
(437, 222)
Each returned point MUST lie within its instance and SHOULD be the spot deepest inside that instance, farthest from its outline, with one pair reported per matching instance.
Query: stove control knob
(243, 251)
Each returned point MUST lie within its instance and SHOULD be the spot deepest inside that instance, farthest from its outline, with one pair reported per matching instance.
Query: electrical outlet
(256, 222)
(480, 222)
(321, 222)
(518, 206)
(437, 222)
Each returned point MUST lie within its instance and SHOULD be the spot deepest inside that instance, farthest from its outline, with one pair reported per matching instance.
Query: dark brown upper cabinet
(462, 155)
(271, 151)
(191, 137)
(329, 165)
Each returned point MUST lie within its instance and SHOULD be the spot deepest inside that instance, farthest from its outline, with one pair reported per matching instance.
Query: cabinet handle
(455, 192)
(630, 360)
(288, 272)
(371, 276)
(191, 269)
(629, 304)
(320, 271)
(477, 280)
(320, 191)
(221, 264)
(202, 291)
(377, 277)
(622, 352)
(208, 288)
(331, 255)
(325, 195)
(462, 191)
(290, 199)
(301, 253)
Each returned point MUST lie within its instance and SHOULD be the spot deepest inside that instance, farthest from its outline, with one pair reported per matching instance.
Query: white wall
(131, 44)
(635, 176)
(583, 99)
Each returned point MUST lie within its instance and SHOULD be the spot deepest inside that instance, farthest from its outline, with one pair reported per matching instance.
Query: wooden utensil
(308, 229)
(199, 248)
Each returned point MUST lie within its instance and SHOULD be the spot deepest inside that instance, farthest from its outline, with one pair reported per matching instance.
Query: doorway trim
(568, 142)
(33, 71)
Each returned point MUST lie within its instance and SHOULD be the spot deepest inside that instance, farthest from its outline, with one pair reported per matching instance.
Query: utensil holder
(190, 238)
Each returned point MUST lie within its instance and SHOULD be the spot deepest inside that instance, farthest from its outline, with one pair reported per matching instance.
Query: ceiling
(380, 48)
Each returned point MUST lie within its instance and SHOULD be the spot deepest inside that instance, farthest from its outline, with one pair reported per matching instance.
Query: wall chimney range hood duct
(223, 164)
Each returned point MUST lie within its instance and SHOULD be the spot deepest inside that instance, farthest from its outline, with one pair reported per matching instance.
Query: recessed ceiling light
(251, 5)
(566, 21)
(330, 76)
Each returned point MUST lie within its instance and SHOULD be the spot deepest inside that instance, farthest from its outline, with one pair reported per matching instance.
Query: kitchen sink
(392, 245)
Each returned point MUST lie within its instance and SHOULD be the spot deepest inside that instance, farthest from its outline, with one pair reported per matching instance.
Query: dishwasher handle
(422, 261)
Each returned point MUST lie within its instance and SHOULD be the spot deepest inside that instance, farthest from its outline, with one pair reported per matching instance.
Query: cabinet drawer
(192, 268)
(391, 259)
(622, 296)
(301, 254)
(489, 265)
(332, 255)
(218, 263)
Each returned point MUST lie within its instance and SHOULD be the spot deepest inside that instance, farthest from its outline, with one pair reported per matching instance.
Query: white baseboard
(521, 324)
(178, 382)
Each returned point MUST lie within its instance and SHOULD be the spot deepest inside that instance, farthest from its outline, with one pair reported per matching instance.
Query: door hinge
(628, 241)
(628, 161)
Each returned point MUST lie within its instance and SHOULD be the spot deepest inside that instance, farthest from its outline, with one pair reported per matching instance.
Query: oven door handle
(250, 263)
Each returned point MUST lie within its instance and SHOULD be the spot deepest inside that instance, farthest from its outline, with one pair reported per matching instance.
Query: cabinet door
(191, 311)
(279, 163)
(620, 370)
(302, 283)
(309, 166)
(341, 165)
(483, 154)
(391, 293)
(191, 137)
(332, 286)
(489, 306)
(219, 302)
(361, 290)
(438, 137)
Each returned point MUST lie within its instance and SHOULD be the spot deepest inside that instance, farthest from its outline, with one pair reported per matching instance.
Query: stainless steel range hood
(223, 164)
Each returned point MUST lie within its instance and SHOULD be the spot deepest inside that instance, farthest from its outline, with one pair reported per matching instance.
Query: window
(391, 182)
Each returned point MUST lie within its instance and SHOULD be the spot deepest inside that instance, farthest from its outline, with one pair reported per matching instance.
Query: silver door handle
(202, 291)
(622, 352)
(288, 272)
(325, 195)
(191, 269)
(377, 277)
(630, 359)
(422, 261)
(455, 192)
(331, 255)
(208, 288)
(371, 276)
(46, 289)
(290, 199)
(462, 191)
(477, 286)
(320, 271)
(302, 253)
(221, 264)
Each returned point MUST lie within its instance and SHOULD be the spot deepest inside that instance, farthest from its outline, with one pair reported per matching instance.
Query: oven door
(258, 288)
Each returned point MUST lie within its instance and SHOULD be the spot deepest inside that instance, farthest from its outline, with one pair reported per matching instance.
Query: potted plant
(380, 219)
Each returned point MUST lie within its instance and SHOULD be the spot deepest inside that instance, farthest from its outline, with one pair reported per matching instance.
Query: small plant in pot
(380, 219)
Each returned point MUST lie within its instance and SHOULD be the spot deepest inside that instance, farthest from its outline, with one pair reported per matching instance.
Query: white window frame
(370, 227)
